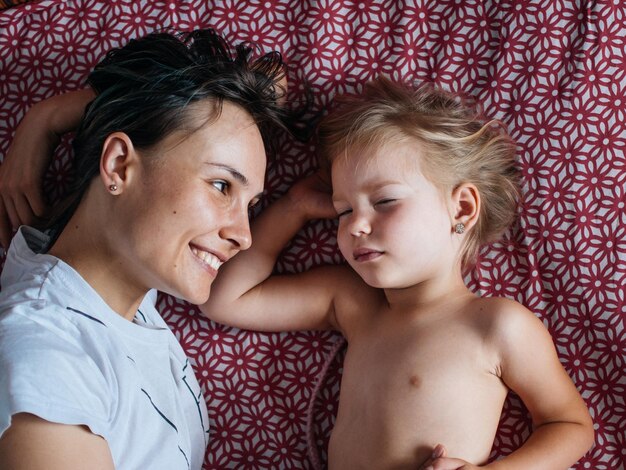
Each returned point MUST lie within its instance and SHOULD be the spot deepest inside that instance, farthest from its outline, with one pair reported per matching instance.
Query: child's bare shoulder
(497, 307)
(355, 301)
(506, 322)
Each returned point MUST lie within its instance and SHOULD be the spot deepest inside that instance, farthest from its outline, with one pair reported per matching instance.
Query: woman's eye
(385, 201)
(220, 185)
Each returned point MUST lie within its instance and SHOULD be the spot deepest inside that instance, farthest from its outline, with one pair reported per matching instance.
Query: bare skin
(427, 362)
(411, 370)
(32, 443)
(24, 165)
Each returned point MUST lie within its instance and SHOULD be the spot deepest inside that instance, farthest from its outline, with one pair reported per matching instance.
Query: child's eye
(341, 213)
(385, 201)
(220, 185)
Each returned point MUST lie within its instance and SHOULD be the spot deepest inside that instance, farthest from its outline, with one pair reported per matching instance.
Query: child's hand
(446, 463)
(440, 461)
(24, 165)
(21, 175)
(313, 196)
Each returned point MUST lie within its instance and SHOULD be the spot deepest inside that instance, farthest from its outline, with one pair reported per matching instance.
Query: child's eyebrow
(372, 186)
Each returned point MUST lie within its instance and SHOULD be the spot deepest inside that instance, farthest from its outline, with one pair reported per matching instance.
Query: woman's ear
(466, 207)
(117, 162)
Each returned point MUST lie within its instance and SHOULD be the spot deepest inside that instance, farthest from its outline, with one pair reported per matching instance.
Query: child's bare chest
(414, 365)
(406, 386)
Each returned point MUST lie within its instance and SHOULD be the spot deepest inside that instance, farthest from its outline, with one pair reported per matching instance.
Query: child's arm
(246, 296)
(563, 430)
(23, 167)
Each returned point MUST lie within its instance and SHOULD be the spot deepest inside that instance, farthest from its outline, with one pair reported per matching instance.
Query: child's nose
(360, 225)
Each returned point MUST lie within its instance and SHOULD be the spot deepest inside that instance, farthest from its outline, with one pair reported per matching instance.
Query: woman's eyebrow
(236, 174)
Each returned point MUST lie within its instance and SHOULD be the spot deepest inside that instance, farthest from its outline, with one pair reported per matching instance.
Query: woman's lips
(209, 260)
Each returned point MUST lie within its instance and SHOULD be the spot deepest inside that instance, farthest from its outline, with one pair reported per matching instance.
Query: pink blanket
(553, 71)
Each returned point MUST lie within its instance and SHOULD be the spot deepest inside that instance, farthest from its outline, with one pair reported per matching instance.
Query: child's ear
(117, 162)
(466, 205)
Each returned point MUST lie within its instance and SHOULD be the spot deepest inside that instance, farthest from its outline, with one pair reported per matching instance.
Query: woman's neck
(83, 244)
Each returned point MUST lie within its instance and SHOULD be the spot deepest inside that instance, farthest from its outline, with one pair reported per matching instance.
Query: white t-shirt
(66, 357)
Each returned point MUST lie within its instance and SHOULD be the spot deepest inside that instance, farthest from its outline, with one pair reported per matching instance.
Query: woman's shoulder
(28, 313)
(45, 371)
(42, 334)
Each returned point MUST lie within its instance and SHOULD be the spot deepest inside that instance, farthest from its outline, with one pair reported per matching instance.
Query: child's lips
(366, 254)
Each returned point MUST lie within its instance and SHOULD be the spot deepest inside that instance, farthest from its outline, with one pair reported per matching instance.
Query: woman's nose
(237, 231)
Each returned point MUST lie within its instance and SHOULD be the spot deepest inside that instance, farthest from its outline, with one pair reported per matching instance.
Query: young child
(419, 184)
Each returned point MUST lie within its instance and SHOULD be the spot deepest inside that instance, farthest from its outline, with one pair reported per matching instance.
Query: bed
(553, 70)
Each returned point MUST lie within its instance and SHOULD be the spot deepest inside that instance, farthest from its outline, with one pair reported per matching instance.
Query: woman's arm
(245, 294)
(24, 165)
(32, 443)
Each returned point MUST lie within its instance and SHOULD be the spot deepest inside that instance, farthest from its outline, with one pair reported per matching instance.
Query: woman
(170, 157)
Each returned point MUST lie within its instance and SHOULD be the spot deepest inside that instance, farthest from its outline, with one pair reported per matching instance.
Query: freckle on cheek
(174, 212)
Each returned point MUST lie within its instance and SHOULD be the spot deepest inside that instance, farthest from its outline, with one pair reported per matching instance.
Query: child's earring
(113, 187)
(459, 228)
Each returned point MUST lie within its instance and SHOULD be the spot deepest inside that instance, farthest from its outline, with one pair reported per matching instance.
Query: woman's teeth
(207, 258)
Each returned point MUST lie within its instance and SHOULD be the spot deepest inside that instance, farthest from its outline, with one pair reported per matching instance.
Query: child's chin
(384, 284)
(373, 281)
(376, 283)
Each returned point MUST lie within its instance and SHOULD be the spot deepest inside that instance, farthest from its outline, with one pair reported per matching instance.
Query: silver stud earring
(459, 228)
(113, 187)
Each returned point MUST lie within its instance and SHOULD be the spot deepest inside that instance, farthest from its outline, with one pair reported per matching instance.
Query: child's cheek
(343, 242)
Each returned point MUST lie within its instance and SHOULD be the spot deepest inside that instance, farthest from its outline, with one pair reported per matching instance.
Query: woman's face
(186, 211)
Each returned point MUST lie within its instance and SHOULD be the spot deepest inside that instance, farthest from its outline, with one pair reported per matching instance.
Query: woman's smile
(208, 259)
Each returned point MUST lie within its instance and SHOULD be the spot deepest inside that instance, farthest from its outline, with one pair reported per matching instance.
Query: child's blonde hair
(458, 147)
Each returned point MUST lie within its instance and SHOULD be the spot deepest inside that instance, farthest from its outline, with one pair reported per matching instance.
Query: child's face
(395, 228)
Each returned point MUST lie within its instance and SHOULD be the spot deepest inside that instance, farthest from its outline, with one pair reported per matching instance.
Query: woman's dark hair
(145, 87)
